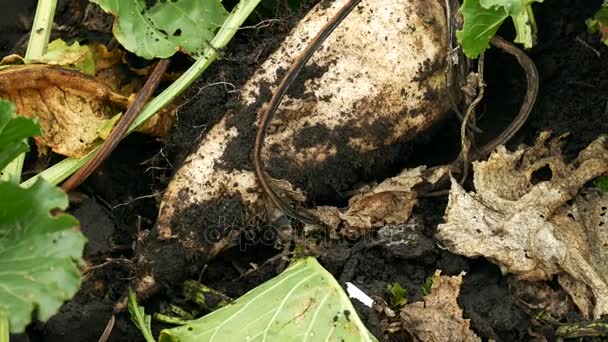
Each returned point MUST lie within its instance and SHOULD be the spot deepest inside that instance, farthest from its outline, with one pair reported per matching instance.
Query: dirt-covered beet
(345, 117)
(572, 99)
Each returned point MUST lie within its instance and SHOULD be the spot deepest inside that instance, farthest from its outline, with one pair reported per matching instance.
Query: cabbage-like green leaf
(304, 303)
(482, 18)
(159, 28)
(13, 133)
(39, 253)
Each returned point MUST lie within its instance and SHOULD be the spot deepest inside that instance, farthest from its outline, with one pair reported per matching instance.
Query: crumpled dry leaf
(75, 111)
(72, 108)
(390, 202)
(553, 227)
(438, 317)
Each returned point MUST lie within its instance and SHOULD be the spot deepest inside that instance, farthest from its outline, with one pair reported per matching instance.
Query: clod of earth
(377, 81)
(533, 215)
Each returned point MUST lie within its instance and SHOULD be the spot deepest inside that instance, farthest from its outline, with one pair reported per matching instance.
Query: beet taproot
(378, 81)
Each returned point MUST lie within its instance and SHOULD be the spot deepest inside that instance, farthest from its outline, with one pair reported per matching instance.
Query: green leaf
(159, 28)
(138, 316)
(599, 22)
(72, 56)
(480, 25)
(304, 303)
(426, 287)
(482, 18)
(523, 18)
(39, 252)
(14, 132)
(396, 295)
(602, 183)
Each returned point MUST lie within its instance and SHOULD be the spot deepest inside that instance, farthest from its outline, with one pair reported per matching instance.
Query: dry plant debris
(390, 202)
(535, 228)
(438, 317)
(73, 109)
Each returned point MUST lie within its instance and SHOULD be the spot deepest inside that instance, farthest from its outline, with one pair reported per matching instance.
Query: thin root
(524, 112)
(108, 330)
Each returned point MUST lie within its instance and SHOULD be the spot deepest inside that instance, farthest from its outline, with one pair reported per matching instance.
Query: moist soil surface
(118, 204)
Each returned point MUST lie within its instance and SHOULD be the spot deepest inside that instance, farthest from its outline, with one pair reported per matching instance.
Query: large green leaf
(39, 252)
(304, 303)
(159, 28)
(482, 18)
(13, 133)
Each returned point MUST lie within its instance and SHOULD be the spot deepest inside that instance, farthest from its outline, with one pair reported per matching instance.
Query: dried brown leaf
(537, 229)
(72, 107)
(75, 110)
(438, 317)
(390, 202)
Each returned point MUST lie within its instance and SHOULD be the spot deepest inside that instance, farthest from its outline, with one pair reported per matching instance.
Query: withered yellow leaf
(73, 108)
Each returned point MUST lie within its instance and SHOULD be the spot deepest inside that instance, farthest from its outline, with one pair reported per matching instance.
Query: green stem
(170, 320)
(36, 47)
(139, 317)
(62, 170)
(4, 332)
(41, 29)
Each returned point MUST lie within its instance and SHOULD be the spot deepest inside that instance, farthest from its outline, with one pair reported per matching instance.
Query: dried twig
(121, 128)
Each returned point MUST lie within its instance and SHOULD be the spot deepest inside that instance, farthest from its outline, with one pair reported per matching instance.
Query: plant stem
(170, 320)
(41, 29)
(36, 47)
(62, 170)
(4, 333)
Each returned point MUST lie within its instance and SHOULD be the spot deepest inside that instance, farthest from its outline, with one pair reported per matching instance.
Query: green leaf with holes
(482, 18)
(159, 28)
(304, 303)
(39, 252)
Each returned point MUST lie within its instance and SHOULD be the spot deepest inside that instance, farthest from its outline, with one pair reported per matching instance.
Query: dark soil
(119, 203)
